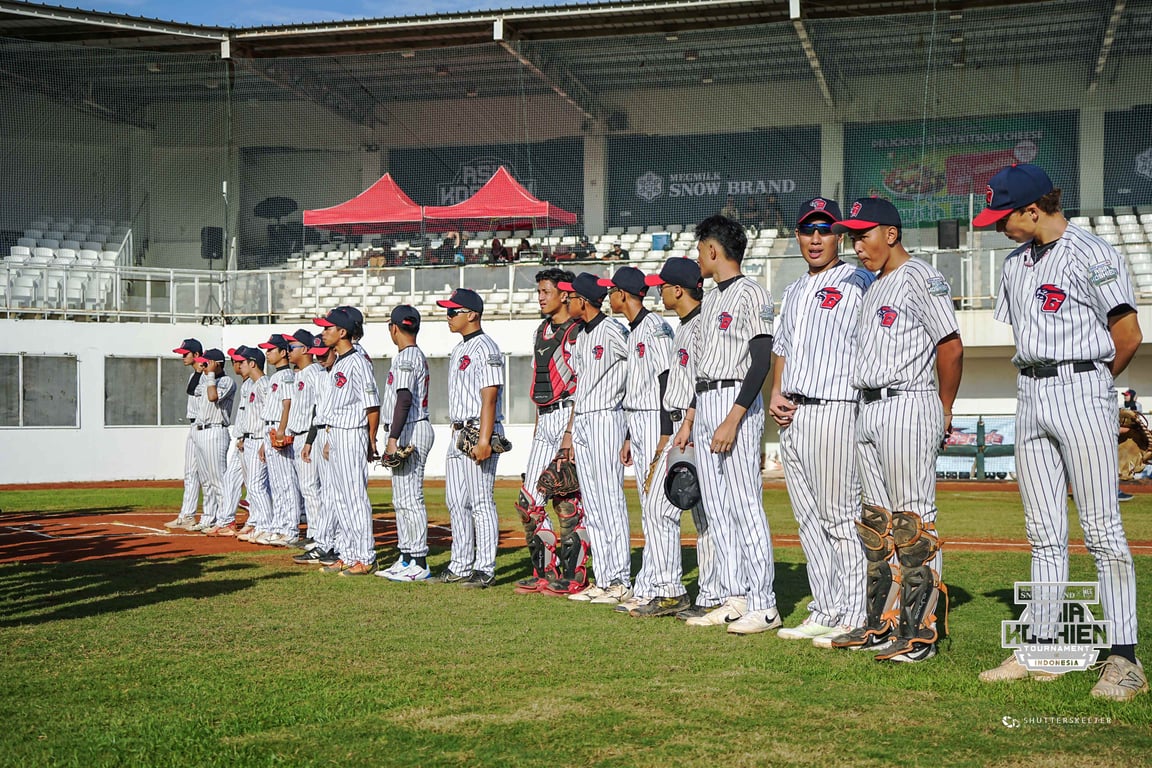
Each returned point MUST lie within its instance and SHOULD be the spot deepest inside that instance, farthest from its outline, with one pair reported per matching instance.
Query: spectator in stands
(1130, 401)
(449, 250)
(498, 252)
(617, 253)
(584, 249)
(772, 216)
(751, 212)
(730, 211)
(524, 250)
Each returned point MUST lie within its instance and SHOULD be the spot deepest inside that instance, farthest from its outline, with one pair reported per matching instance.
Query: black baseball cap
(253, 355)
(237, 354)
(682, 481)
(189, 346)
(628, 279)
(679, 271)
(868, 212)
(354, 313)
(818, 206)
(586, 285)
(276, 341)
(1129, 392)
(406, 318)
(1013, 187)
(212, 355)
(463, 298)
(347, 318)
(304, 336)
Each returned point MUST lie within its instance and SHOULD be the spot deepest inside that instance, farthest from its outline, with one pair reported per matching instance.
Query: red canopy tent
(501, 202)
(383, 207)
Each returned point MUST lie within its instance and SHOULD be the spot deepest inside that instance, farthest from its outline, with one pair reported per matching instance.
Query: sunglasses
(457, 311)
(613, 290)
(296, 346)
(823, 228)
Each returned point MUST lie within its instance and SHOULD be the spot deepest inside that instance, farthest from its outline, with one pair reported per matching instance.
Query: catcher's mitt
(559, 478)
(278, 440)
(1135, 445)
(469, 437)
(395, 460)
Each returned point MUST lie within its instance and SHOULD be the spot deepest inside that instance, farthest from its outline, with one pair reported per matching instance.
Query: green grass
(246, 660)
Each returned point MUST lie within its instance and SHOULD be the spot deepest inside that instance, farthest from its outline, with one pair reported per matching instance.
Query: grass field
(243, 659)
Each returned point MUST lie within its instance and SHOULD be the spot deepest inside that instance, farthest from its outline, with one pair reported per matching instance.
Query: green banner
(929, 170)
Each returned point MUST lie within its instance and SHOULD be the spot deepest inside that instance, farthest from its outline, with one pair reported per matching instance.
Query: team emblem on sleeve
(340, 379)
(1099, 274)
(465, 362)
(682, 357)
(725, 320)
(640, 349)
(1051, 296)
(887, 316)
(938, 286)
(598, 351)
(829, 297)
(495, 360)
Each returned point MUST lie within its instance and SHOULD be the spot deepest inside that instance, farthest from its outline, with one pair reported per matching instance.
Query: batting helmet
(681, 484)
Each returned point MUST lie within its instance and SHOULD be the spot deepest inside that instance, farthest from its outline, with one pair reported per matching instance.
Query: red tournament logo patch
(887, 316)
(465, 362)
(682, 356)
(855, 210)
(389, 378)
(340, 379)
(1051, 296)
(829, 297)
(598, 351)
(640, 349)
(300, 386)
(725, 321)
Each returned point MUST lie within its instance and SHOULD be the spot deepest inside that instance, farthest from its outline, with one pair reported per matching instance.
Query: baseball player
(287, 502)
(323, 527)
(234, 465)
(553, 384)
(186, 519)
(405, 403)
(595, 436)
(253, 391)
(733, 354)
(475, 399)
(814, 404)
(310, 380)
(214, 406)
(352, 408)
(1068, 296)
(906, 331)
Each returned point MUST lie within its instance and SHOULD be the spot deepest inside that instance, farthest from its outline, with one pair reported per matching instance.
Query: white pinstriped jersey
(476, 363)
(351, 391)
(280, 386)
(730, 317)
(305, 397)
(240, 418)
(218, 412)
(649, 350)
(601, 370)
(1058, 306)
(258, 393)
(816, 335)
(681, 369)
(902, 318)
(409, 371)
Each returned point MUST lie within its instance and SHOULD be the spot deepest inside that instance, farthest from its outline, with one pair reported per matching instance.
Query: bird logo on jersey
(252, 397)
(887, 316)
(465, 362)
(641, 349)
(1052, 296)
(300, 386)
(340, 379)
(597, 351)
(854, 210)
(829, 297)
(389, 378)
(275, 386)
(725, 321)
(682, 357)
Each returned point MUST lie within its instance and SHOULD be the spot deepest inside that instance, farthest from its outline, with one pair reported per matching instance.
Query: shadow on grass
(40, 593)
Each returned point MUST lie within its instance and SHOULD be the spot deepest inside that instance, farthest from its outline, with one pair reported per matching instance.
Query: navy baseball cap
(628, 279)
(405, 317)
(212, 355)
(868, 212)
(1013, 187)
(189, 346)
(276, 341)
(354, 313)
(682, 483)
(677, 271)
(237, 354)
(586, 285)
(818, 206)
(463, 298)
(342, 317)
(253, 355)
(304, 336)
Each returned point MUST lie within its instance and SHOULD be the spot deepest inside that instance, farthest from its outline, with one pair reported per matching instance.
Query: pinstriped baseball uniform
(234, 464)
(732, 313)
(211, 438)
(255, 471)
(324, 528)
(597, 435)
(351, 392)
(816, 341)
(410, 371)
(305, 396)
(902, 317)
(191, 498)
(475, 364)
(287, 503)
(1066, 425)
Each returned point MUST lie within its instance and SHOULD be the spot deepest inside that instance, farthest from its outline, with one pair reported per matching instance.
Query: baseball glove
(395, 460)
(1135, 449)
(278, 440)
(469, 438)
(559, 478)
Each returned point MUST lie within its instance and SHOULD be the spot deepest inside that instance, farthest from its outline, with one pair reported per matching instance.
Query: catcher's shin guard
(920, 588)
(542, 548)
(875, 531)
(574, 544)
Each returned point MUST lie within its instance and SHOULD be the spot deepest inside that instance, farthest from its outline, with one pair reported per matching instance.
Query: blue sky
(247, 13)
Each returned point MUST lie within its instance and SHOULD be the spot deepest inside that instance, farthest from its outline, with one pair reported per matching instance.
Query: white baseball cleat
(756, 621)
(181, 522)
(731, 610)
(410, 572)
(615, 594)
(633, 602)
(1011, 670)
(807, 630)
(396, 567)
(588, 595)
(1120, 680)
(825, 641)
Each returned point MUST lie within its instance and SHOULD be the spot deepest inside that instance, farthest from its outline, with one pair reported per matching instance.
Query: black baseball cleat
(329, 558)
(313, 556)
(864, 639)
(448, 576)
(662, 606)
(305, 544)
(479, 580)
(907, 651)
(692, 611)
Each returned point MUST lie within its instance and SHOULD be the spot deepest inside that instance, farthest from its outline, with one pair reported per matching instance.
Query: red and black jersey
(553, 377)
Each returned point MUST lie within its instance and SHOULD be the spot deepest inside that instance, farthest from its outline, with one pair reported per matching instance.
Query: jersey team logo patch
(641, 349)
(252, 397)
(300, 386)
(725, 321)
(829, 297)
(340, 379)
(682, 357)
(597, 351)
(389, 378)
(275, 386)
(465, 362)
(887, 316)
(1051, 297)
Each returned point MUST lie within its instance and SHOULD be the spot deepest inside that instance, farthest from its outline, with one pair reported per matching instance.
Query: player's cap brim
(653, 280)
(182, 351)
(449, 304)
(201, 359)
(266, 345)
(565, 287)
(323, 322)
(816, 214)
(988, 217)
(318, 351)
(853, 225)
(605, 282)
(236, 358)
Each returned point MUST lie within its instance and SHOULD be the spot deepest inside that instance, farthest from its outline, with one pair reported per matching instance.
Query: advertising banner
(1128, 157)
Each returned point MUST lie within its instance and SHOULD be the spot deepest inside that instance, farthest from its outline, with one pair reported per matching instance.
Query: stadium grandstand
(164, 180)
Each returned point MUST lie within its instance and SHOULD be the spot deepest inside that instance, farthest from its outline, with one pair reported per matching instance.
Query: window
(147, 391)
(518, 405)
(438, 390)
(174, 377)
(39, 391)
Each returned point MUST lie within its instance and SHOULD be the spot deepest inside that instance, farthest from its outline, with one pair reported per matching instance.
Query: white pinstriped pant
(348, 460)
(323, 528)
(662, 570)
(734, 497)
(1066, 430)
(211, 464)
(191, 498)
(472, 510)
(233, 483)
(256, 484)
(408, 489)
(897, 440)
(286, 499)
(308, 478)
(597, 437)
(818, 450)
(545, 445)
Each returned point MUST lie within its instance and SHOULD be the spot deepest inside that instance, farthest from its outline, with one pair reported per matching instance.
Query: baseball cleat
(807, 630)
(227, 531)
(329, 558)
(907, 651)
(448, 576)
(587, 595)
(754, 622)
(184, 523)
(633, 602)
(410, 572)
(311, 557)
(864, 639)
(563, 588)
(199, 527)
(693, 612)
(1120, 680)
(731, 610)
(334, 567)
(825, 641)
(304, 544)
(1011, 670)
(661, 606)
(617, 592)
(479, 580)
(400, 564)
(359, 569)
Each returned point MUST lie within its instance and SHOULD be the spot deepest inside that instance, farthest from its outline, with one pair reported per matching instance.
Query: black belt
(804, 400)
(872, 395)
(249, 436)
(320, 426)
(207, 426)
(1048, 371)
(543, 409)
(707, 385)
(676, 415)
(388, 424)
(272, 423)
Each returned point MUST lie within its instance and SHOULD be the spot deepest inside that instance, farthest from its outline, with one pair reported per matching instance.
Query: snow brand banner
(1128, 157)
(929, 171)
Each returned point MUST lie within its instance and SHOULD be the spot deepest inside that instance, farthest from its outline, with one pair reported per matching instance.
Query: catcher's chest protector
(554, 377)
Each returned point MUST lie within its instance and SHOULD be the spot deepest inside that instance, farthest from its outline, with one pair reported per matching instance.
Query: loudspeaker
(211, 243)
(948, 234)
